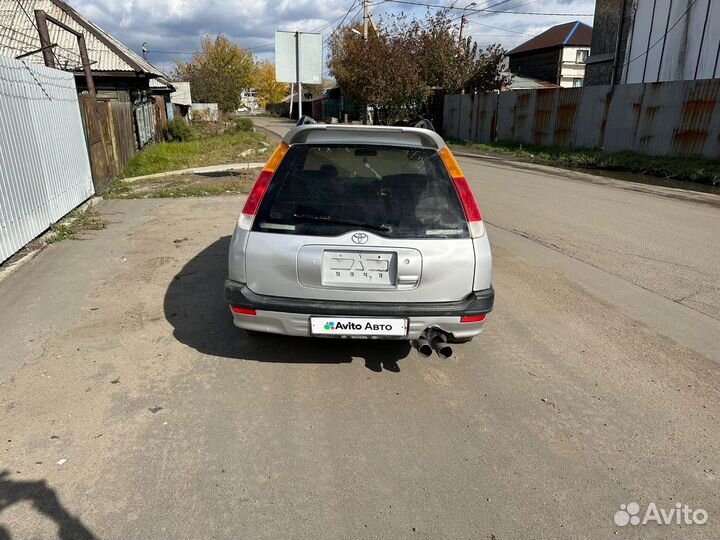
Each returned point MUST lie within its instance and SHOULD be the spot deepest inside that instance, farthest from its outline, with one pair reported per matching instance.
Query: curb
(199, 170)
(596, 177)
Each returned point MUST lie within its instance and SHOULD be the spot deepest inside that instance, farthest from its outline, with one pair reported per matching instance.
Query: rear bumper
(290, 316)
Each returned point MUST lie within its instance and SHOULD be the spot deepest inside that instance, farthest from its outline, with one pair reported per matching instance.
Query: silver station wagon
(362, 232)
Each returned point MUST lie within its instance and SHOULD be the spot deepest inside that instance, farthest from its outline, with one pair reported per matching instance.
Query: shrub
(242, 124)
(178, 130)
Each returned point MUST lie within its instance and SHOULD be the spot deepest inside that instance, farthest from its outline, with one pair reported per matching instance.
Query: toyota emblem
(360, 238)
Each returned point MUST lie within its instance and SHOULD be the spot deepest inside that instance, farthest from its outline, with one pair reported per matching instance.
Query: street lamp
(356, 31)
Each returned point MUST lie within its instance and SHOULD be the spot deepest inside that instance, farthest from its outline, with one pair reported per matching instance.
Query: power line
(330, 23)
(268, 44)
(171, 52)
(488, 10)
(343, 19)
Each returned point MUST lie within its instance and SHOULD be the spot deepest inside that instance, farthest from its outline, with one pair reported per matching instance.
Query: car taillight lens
(257, 192)
(467, 200)
(472, 318)
(242, 310)
(261, 184)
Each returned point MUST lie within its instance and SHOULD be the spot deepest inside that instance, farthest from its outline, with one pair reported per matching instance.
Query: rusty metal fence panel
(486, 114)
(466, 118)
(623, 117)
(545, 116)
(679, 118)
(516, 111)
(451, 115)
(44, 167)
(698, 129)
(590, 117)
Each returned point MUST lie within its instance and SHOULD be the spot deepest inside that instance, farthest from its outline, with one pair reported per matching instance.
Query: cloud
(176, 26)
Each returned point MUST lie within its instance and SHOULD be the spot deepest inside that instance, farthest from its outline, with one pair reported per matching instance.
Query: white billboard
(287, 53)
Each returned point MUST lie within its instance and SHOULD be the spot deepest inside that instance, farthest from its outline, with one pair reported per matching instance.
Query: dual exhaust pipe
(434, 340)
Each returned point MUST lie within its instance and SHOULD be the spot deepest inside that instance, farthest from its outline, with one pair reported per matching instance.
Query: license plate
(358, 268)
(357, 326)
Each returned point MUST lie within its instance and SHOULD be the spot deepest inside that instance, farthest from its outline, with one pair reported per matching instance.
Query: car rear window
(394, 192)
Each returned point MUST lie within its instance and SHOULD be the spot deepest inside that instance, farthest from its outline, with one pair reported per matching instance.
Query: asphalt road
(596, 383)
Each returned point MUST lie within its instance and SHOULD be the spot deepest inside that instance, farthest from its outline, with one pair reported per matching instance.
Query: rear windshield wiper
(342, 221)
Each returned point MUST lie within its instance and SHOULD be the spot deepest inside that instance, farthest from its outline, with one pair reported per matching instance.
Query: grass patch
(690, 169)
(74, 224)
(183, 185)
(200, 152)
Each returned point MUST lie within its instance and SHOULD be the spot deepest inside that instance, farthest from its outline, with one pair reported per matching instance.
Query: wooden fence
(110, 137)
(159, 117)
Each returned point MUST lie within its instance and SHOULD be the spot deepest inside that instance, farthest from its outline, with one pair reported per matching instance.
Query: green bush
(178, 130)
(242, 124)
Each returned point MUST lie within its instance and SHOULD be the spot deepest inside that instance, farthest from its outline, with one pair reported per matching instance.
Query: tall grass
(200, 152)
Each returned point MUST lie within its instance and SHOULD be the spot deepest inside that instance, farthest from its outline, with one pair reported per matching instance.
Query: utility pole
(366, 18)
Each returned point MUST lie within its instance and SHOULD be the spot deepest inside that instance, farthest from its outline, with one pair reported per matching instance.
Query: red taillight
(242, 310)
(257, 192)
(470, 207)
(263, 180)
(472, 318)
(467, 200)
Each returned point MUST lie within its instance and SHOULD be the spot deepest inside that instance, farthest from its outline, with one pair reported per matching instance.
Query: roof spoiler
(425, 124)
(304, 120)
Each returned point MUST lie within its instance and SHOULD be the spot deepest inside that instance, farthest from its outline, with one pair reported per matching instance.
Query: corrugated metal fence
(679, 118)
(44, 167)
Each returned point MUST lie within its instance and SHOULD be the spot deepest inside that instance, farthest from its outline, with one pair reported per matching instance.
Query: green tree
(218, 71)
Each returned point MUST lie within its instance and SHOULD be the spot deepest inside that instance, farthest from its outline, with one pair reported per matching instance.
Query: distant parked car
(361, 232)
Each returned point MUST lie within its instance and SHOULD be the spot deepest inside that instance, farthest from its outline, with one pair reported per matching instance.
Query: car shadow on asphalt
(195, 306)
(44, 500)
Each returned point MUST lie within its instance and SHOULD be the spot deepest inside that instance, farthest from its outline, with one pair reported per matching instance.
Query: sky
(172, 28)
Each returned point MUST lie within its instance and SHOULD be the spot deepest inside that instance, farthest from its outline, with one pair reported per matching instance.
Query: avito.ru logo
(681, 514)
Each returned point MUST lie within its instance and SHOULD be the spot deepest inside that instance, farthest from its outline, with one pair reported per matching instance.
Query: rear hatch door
(363, 223)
